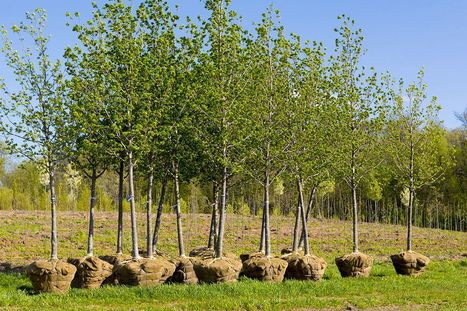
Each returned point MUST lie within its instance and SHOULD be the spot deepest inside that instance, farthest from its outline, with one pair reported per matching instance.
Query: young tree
(268, 107)
(87, 91)
(311, 123)
(158, 27)
(33, 113)
(224, 73)
(360, 101)
(33, 119)
(359, 111)
(117, 29)
(414, 136)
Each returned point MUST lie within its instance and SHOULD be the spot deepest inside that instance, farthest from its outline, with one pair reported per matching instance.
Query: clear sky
(400, 35)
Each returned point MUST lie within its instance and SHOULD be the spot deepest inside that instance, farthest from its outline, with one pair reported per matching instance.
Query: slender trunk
(53, 207)
(354, 217)
(91, 213)
(213, 228)
(121, 172)
(308, 211)
(296, 227)
(149, 251)
(159, 214)
(178, 213)
(222, 211)
(303, 217)
(353, 185)
(411, 187)
(267, 229)
(262, 242)
(131, 198)
(409, 219)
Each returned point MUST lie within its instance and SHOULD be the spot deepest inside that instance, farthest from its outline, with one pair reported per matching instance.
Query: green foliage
(35, 109)
(326, 187)
(416, 142)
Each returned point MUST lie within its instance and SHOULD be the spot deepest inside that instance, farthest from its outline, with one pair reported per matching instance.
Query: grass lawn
(442, 287)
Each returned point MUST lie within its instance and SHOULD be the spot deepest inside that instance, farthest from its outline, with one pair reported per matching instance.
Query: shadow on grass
(27, 290)
(380, 274)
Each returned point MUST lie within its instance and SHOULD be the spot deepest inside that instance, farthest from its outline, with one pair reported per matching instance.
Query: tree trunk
(353, 186)
(296, 227)
(131, 198)
(91, 213)
(303, 217)
(267, 229)
(262, 242)
(121, 172)
(222, 211)
(354, 217)
(213, 228)
(149, 250)
(308, 211)
(159, 214)
(53, 207)
(409, 219)
(178, 213)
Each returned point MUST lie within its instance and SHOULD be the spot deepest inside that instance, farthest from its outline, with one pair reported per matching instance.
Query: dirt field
(24, 236)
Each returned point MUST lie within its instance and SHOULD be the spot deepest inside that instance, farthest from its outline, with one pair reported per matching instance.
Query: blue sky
(400, 35)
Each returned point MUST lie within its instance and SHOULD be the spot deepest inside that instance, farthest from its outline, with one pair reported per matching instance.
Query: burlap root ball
(264, 268)
(409, 263)
(217, 270)
(143, 271)
(90, 272)
(304, 267)
(184, 272)
(355, 265)
(207, 252)
(113, 260)
(51, 276)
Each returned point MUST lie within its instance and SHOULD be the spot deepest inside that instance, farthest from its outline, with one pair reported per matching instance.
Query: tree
(224, 72)
(268, 107)
(125, 110)
(360, 100)
(312, 127)
(34, 112)
(86, 92)
(414, 137)
(158, 26)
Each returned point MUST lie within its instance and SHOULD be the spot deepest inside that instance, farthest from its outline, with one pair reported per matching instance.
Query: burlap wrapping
(409, 263)
(217, 270)
(90, 272)
(184, 272)
(264, 268)
(355, 265)
(51, 276)
(303, 267)
(144, 271)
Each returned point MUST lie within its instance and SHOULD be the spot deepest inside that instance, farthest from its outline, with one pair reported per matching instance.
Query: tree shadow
(27, 290)
(379, 274)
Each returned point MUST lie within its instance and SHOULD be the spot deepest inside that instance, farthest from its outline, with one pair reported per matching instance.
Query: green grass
(442, 287)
